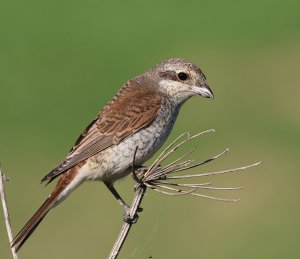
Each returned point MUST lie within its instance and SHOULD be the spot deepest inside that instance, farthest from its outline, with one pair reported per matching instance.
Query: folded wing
(133, 108)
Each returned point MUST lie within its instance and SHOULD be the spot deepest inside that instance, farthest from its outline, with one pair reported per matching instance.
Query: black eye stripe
(169, 75)
(182, 76)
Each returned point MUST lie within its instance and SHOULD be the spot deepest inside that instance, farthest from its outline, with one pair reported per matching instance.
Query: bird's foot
(128, 218)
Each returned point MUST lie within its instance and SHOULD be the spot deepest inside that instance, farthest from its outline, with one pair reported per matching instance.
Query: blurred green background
(61, 61)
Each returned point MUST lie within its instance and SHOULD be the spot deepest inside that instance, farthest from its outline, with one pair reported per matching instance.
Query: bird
(135, 122)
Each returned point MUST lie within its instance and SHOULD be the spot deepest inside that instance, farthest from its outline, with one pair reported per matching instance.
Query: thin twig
(196, 194)
(164, 171)
(172, 148)
(201, 186)
(214, 198)
(157, 160)
(183, 167)
(180, 158)
(6, 214)
(139, 194)
(178, 192)
(213, 173)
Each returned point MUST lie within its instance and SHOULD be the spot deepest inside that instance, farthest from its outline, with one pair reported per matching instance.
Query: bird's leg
(127, 218)
(117, 196)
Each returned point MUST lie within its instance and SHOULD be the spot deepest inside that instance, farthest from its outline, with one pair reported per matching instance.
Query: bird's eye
(182, 76)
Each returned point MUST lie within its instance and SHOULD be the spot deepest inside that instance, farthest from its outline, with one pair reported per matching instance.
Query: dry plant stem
(6, 214)
(172, 148)
(157, 178)
(183, 166)
(139, 194)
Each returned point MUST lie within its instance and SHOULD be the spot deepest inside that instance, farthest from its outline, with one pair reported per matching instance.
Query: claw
(139, 209)
(131, 219)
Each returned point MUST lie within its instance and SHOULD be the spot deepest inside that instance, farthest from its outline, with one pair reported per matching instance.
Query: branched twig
(157, 178)
(5, 211)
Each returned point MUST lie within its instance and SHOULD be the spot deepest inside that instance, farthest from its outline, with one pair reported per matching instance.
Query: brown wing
(133, 108)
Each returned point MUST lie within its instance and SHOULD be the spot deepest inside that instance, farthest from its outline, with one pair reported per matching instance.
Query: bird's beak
(203, 90)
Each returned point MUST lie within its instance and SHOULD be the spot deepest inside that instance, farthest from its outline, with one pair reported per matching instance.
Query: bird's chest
(151, 138)
(116, 161)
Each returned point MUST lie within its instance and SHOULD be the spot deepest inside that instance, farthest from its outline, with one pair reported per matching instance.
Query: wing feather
(133, 108)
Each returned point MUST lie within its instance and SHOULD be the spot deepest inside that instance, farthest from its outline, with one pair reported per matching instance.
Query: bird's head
(180, 80)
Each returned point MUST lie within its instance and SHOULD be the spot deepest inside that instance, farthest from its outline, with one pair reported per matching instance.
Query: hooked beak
(203, 90)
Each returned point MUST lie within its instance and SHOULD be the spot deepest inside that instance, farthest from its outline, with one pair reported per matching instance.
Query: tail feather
(32, 224)
(66, 184)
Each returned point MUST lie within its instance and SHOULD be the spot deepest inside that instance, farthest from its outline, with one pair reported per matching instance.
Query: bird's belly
(115, 162)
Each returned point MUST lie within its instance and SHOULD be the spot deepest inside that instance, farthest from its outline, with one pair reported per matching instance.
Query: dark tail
(32, 224)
